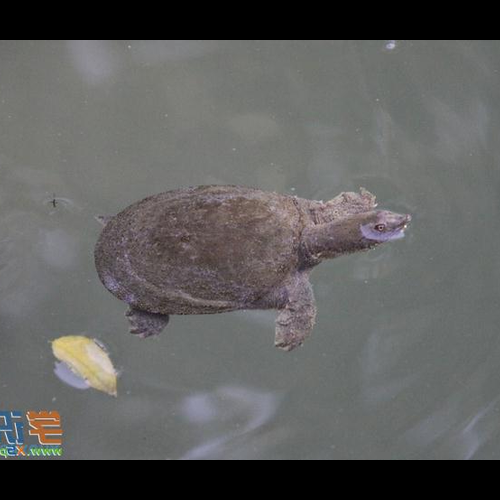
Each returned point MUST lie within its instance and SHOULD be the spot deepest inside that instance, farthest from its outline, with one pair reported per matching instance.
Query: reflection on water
(95, 60)
(66, 375)
(229, 419)
(479, 429)
(453, 433)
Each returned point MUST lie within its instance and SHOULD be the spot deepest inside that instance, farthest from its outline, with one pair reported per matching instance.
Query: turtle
(214, 249)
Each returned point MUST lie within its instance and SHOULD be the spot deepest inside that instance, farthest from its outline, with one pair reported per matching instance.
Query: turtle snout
(395, 221)
(405, 220)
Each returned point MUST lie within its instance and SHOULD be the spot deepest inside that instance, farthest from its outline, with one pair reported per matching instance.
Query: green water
(404, 360)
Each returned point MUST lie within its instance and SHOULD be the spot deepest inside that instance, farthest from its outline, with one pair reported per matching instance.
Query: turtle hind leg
(145, 324)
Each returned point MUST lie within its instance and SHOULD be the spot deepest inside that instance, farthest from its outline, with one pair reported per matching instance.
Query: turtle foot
(145, 324)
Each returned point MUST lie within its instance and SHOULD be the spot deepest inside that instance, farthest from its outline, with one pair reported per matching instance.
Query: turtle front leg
(296, 319)
(146, 324)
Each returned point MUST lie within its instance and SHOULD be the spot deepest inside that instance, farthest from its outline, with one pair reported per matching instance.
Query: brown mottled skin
(214, 249)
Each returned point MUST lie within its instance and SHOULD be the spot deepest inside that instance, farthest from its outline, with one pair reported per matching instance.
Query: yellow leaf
(88, 360)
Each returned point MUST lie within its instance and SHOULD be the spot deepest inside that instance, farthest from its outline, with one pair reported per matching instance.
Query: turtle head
(381, 226)
(353, 233)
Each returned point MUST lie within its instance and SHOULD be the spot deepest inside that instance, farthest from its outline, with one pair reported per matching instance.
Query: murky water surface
(404, 361)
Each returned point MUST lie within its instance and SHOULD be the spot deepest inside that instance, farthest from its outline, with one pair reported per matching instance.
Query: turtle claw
(103, 219)
(144, 324)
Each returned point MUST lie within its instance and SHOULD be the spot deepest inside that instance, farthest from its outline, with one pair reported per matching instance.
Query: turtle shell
(200, 250)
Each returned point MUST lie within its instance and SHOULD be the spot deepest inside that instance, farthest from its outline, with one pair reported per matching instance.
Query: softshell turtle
(213, 249)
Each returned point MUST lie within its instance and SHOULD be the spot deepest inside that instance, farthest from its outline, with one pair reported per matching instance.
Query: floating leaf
(87, 359)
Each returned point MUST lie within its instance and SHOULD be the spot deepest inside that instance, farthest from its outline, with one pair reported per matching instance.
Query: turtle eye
(380, 228)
